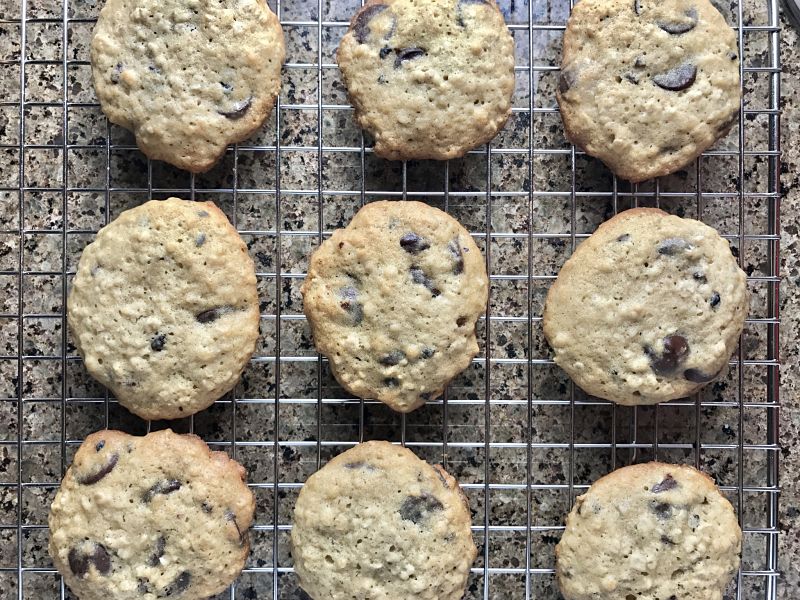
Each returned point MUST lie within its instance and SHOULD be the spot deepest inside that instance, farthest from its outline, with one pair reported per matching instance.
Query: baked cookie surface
(649, 308)
(647, 85)
(392, 300)
(652, 532)
(150, 517)
(378, 522)
(187, 77)
(164, 308)
(428, 79)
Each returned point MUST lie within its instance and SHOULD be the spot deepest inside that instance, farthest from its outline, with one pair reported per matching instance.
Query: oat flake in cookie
(651, 532)
(164, 308)
(647, 309)
(376, 522)
(187, 77)
(392, 300)
(428, 79)
(647, 85)
(159, 516)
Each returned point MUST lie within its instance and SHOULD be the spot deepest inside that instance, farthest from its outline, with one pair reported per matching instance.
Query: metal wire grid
(630, 435)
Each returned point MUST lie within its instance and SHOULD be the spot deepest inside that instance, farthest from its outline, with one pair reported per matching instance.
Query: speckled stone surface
(104, 174)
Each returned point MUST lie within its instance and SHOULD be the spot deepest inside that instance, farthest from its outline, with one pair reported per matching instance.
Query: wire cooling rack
(520, 438)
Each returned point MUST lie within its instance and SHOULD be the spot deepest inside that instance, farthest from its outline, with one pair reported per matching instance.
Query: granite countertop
(89, 167)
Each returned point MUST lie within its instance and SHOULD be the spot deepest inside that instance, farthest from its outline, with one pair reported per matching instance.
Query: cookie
(429, 79)
(164, 309)
(187, 77)
(392, 301)
(647, 85)
(649, 308)
(651, 532)
(150, 517)
(378, 522)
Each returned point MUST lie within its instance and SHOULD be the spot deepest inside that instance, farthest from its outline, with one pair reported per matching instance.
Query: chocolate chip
(624, 237)
(667, 484)
(640, 62)
(699, 276)
(351, 305)
(155, 557)
(676, 348)
(414, 244)
(361, 23)
(404, 54)
(566, 80)
(165, 486)
(116, 73)
(637, 7)
(682, 26)
(212, 314)
(99, 445)
(384, 52)
(458, 255)
(427, 352)
(417, 276)
(238, 110)
(391, 382)
(154, 69)
(178, 586)
(392, 358)
(227, 87)
(101, 472)
(200, 239)
(158, 341)
(417, 508)
(714, 300)
(671, 246)
(79, 561)
(697, 376)
(678, 78)
(662, 510)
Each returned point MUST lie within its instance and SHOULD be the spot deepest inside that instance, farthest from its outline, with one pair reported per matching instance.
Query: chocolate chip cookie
(649, 308)
(378, 522)
(652, 532)
(150, 517)
(647, 85)
(428, 79)
(187, 77)
(164, 308)
(392, 301)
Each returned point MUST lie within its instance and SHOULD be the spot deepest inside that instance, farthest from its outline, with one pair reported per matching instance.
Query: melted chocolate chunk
(662, 510)
(212, 314)
(427, 352)
(99, 445)
(676, 348)
(417, 276)
(458, 255)
(714, 300)
(155, 557)
(393, 358)
(672, 246)
(677, 79)
(178, 586)
(165, 486)
(158, 341)
(101, 472)
(238, 110)
(361, 24)
(414, 244)
(566, 80)
(417, 508)
(404, 54)
(200, 239)
(682, 26)
(79, 561)
(669, 483)
(697, 376)
(384, 52)
(351, 305)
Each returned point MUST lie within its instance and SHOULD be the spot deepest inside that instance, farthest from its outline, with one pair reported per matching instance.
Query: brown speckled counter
(531, 471)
